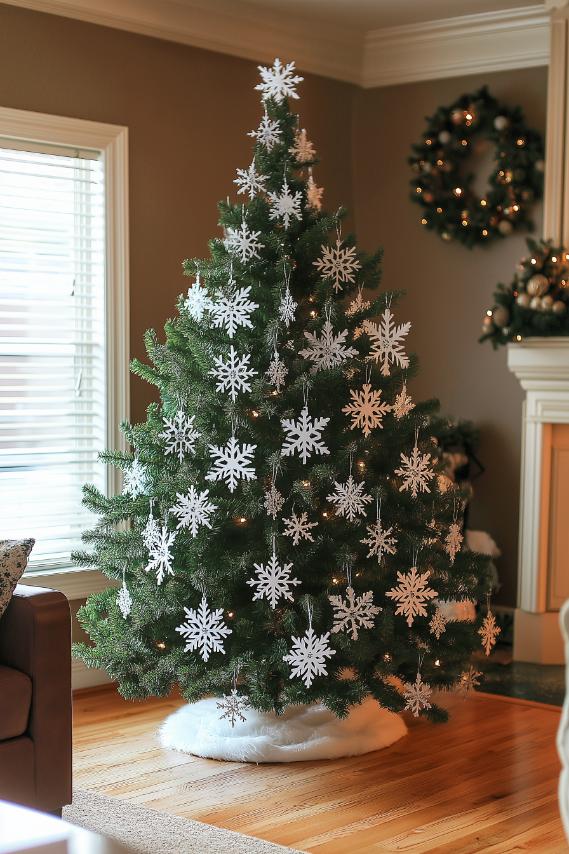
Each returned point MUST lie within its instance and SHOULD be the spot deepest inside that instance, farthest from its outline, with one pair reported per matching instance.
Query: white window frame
(111, 141)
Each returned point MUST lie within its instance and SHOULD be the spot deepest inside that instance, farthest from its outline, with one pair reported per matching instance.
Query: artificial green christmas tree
(286, 533)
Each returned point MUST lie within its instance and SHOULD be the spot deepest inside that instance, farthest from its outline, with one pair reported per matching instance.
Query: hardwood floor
(487, 781)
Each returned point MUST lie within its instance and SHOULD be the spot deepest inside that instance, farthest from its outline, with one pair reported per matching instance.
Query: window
(63, 360)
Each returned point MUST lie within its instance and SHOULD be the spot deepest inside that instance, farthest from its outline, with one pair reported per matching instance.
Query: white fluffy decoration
(301, 733)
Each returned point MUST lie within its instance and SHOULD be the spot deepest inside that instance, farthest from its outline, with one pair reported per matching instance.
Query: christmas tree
(285, 533)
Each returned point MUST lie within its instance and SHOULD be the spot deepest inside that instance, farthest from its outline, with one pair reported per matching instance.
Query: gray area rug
(151, 832)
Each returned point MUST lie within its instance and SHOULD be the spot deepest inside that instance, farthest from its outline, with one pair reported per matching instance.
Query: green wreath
(444, 189)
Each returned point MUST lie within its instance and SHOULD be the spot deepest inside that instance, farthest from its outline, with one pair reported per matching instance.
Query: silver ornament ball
(547, 303)
(523, 300)
(535, 303)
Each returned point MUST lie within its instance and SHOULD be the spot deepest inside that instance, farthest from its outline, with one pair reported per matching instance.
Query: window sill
(74, 583)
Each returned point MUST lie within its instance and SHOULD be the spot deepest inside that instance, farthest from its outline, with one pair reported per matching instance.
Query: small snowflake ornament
(273, 581)
(339, 264)
(437, 624)
(453, 541)
(313, 194)
(160, 558)
(403, 403)
(417, 695)
(380, 540)
(285, 206)
(276, 372)
(303, 150)
(273, 502)
(366, 409)
(204, 630)
(358, 304)
(412, 594)
(197, 301)
(287, 307)
(124, 600)
(416, 472)
(349, 499)
(150, 532)
(279, 81)
(136, 481)
(180, 435)
(353, 612)
(232, 462)
(387, 342)
(243, 243)
(230, 311)
(308, 655)
(489, 632)
(233, 707)
(193, 510)
(304, 436)
(468, 681)
(249, 181)
(268, 134)
(298, 527)
(328, 350)
(234, 374)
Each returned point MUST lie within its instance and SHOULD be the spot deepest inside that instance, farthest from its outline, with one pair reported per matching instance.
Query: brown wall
(187, 111)
(448, 286)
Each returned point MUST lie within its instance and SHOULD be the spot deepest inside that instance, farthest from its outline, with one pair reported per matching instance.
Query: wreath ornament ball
(443, 188)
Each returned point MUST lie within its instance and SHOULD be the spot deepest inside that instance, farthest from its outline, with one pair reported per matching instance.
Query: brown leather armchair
(35, 700)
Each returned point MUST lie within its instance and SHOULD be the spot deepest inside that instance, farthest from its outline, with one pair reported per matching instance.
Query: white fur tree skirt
(301, 733)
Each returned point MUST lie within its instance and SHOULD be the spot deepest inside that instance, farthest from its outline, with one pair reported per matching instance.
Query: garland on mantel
(536, 302)
(444, 189)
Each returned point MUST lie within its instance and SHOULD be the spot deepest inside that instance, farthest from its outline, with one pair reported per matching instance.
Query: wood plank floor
(487, 781)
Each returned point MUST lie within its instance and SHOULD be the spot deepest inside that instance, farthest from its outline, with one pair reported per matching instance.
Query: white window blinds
(52, 345)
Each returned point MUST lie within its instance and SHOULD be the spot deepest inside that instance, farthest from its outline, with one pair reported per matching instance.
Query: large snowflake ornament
(349, 498)
(230, 311)
(366, 409)
(403, 403)
(279, 81)
(412, 594)
(417, 696)
(233, 707)
(160, 557)
(353, 612)
(243, 242)
(338, 263)
(204, 630)
(308, 655)
(304, 436)
(268, 133)
(197, 301)
(124, 601)
(273, 581)
(273, 502)
(380, 540)
(249, 181)
(135, 479)
(453, 541)
(193, 510)
(303, 150)
(234, 374)
(328, 350)
(489, 632)
(387, 342)
(287, 307)
(232, 462)
(416, 472)
(285, 206)
(180, 434)
(437, 624)
(276, 372)
(298, 527)
(314, 194)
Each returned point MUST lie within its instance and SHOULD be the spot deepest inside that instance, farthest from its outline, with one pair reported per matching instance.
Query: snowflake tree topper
(249, 181)
(387, 342)
(412, 594)
(233, 375)
(273, 581)
(366, 409)
(204, 630)
(279, 81)
(285, 206)
(298, 527)
(180, 434)
(232, 462)
(353, 612)
(193, 509)
(349, 498)
(328, 350)
(308, 655)
(417, 696)
(304, 436)
(230, 311)
(338, 264)
(416, 472)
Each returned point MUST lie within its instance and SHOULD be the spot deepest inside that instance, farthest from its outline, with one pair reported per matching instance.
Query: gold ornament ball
(505, 227)
(501, 316)
(547, 303)
(501, 123)
(537, 285)
(523, 300)
(559, 307)
(535, 303)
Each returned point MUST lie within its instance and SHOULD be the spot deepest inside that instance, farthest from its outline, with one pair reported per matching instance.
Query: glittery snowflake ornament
(328, 350)
(204, 630)
(285, 206)
(233, 310)
(197, 301)
(124, 600)
(180, 435)
(349, 498)
(468, 681)
(243, 243)
(353, 612)
(233, 706)
(273, 502)
(308, 655)
(273, 581)
(380, 540)
(249, 181)
(268, 134)
(194, 510)
(234, 374)
(232, 462)
(287, 307)
(417, 696)
(303, 150)
(298, 527)
(358, 304)
(489, 632)
(416, 472)
(339, 264)
(453, 541)
(314, 194)
(150, 532)
(412, 594)
(403, 404)
(304, 436)
(279, 81)
(276, 372)
(160, 558)
(437, 624)
(366, 409)
(387, 342)
(135, 479)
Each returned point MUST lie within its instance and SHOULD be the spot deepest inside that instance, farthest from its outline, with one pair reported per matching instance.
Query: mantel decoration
(536, 301)
(286, 539)
(442, 187)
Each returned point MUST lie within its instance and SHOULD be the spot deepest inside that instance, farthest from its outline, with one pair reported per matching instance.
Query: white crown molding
(469, 44)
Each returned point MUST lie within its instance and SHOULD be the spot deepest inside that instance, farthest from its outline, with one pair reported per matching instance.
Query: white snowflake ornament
(273, 502)
(232, 462)
(349, 499)
(353, 612)
(412, 594)
(273, 581)
(338, 264)
(285, 206)
(268, 133)
(303, 150)
(366, 409)
(468, 681)
(150, 532)
(279, 81)
(417, 696)
(308, 655)
(193, 510)
(304, 436)
(233, 707)
(298, 527)
(204, 630)
(136, 481)
(416, 472)
(287, 307)
(453, 541)
(387, 342)
(124, 601)
(380, 540)
(276, 372)
(197, 301)
(403, 403)
(313, 194)
(160, 558)
(243, 242)
(358, 304)
(328, 350)
(489, 632)
(180, 435)
(249, 181)
(234, 374)
(437, 624)
(230, 311)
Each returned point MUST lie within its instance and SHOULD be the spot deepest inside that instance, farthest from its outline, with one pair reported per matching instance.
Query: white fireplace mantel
(542, 368)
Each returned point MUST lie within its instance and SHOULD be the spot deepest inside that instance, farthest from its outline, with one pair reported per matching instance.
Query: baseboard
(87, 677)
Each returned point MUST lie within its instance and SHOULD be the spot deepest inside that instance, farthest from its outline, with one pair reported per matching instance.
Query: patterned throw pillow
(13, 561)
